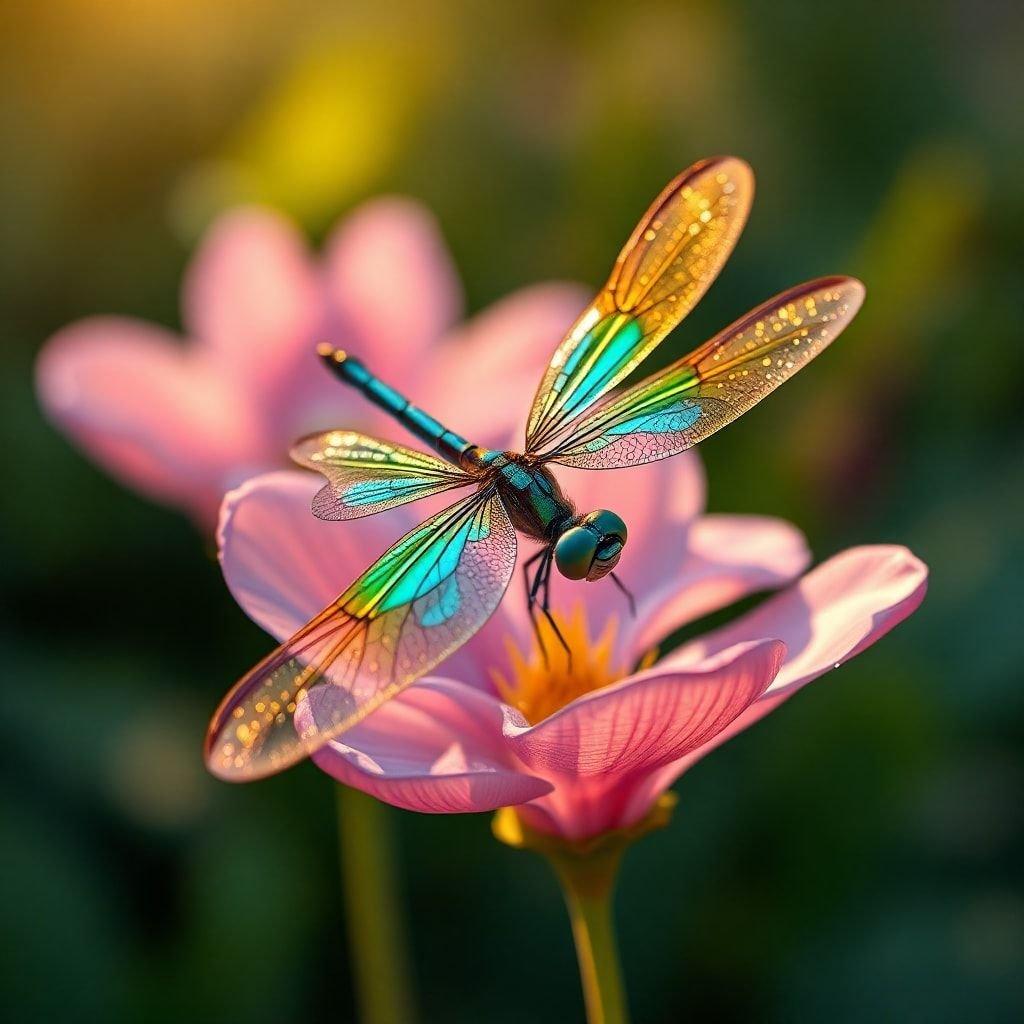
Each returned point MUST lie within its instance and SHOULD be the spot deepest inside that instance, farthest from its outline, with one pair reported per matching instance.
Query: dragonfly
(438, 584)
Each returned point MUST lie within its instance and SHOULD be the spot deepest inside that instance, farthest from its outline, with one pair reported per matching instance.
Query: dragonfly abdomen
(445, 442)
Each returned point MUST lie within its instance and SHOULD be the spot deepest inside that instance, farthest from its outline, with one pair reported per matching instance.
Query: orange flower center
(538, 686)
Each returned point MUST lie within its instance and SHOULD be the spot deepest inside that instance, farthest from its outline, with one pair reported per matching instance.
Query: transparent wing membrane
(366, 475)
(420, 601)
(691, 399)
(669, 262)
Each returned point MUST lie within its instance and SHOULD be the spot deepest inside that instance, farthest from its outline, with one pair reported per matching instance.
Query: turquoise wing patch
(366, 475)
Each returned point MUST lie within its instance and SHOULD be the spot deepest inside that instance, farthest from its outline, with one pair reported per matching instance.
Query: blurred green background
(858, 855)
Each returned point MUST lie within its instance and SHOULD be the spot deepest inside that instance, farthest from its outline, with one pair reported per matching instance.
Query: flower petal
(836, 611)
(154, 415)
(281, 563)
(649, 719)
(602, 752)
(389, 276)
(726, 558)
(488, 370)
(436, 748)
(487, 649)
(251, 296)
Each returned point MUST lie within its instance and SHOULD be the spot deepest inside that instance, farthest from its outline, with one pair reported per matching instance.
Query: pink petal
(252, 296)
(726, 558)
(649, 719)
(154, 415)
(602, 751)
(486, 373)
(389, 276)
(281, 563)
(836, 611)
(436, 748)
(683, 571)
(487, 649)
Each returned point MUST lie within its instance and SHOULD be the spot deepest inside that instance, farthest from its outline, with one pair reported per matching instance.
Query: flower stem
(377, 942)
(587, 870)
(588, 886)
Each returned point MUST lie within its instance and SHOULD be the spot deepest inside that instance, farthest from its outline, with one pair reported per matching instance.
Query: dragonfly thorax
(590, 548)
(535, 501)
(584, 547)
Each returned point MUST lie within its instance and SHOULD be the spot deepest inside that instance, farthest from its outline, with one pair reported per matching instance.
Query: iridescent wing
(421, 600)
(669, 262)
(366, 475)
(691, 399)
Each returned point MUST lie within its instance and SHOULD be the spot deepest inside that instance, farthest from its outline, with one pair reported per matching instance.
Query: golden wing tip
(732, 173)
(857, 293)
(852, 287)
(734, 166)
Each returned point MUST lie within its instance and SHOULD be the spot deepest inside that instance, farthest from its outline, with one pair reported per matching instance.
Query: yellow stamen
(539, 688)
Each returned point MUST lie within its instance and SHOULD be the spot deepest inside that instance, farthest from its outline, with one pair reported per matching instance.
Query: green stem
(587, 870)
(377, 941)
(588, 887)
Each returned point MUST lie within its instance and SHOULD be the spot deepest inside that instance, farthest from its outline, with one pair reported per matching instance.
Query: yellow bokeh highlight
(325, 132)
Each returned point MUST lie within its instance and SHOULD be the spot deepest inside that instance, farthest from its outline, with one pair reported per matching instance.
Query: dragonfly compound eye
(606, 524)
(591, 549)
(575, 551)
(605, 558)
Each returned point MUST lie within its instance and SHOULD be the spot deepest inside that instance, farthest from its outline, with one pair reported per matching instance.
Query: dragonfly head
(591, 547)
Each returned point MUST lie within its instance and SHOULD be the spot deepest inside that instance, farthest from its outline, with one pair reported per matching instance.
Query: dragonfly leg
(532, 587)
(545, 607)
(629, 594)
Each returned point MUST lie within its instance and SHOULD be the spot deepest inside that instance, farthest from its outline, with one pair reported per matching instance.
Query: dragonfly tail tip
(325, 350)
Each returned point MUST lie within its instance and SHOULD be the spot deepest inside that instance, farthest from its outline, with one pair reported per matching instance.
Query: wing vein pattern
(668, 263)
(366, 475)
(422, 599)
(688, 401)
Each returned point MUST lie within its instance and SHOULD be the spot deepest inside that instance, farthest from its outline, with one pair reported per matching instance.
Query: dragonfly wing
(669, 262)
(421, 600)
(366, 475)
(691, 399)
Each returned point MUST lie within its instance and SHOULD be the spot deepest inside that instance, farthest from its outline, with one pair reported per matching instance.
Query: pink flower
(183, 423)
(585, 750)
